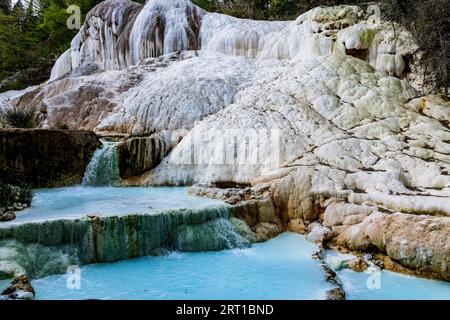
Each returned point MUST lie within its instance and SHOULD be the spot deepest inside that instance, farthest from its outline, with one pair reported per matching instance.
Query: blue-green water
(76, 202)
(386, 285)
(4, 284)
(279, 269)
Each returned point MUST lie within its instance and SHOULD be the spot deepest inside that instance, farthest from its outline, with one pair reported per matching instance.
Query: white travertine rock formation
(120, 33)
(324, 111)
(170, 92)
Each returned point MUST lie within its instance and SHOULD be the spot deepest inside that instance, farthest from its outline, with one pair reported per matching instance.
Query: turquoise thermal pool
(388, 285)
(77, 202)
(385, 285)
(281, 268)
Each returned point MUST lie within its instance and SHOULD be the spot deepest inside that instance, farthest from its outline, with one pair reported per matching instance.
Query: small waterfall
(113, 238)
(103, 170)
(215, 235)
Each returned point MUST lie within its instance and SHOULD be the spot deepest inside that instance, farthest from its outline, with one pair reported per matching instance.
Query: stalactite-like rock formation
(120, 33)
(138, 155)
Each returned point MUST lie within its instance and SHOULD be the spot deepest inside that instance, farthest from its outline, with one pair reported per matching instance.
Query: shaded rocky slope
(320, 115)
(45, 158)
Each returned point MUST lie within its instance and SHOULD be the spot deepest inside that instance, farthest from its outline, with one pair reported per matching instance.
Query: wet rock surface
(7, 216)
(138, 155)
(336, 294)
(318, 233)
(358, 264)
(416, 242)
(20, 289)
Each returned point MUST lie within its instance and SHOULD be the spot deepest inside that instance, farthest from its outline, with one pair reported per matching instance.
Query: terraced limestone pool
(281, 268)
(76, 202)
(106, 224)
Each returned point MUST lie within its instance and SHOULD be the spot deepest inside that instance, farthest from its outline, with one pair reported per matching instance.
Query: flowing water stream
(103, 170)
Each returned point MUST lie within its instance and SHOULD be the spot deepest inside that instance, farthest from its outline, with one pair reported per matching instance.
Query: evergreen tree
(5, 6)
(18, 12)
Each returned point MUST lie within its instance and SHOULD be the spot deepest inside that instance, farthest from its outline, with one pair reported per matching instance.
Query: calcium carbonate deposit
(321, 119)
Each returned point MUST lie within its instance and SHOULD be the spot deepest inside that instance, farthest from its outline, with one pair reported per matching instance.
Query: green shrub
(25, 195)
(19, 118)
(6, 195)
(9, 195)
(208, 5)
